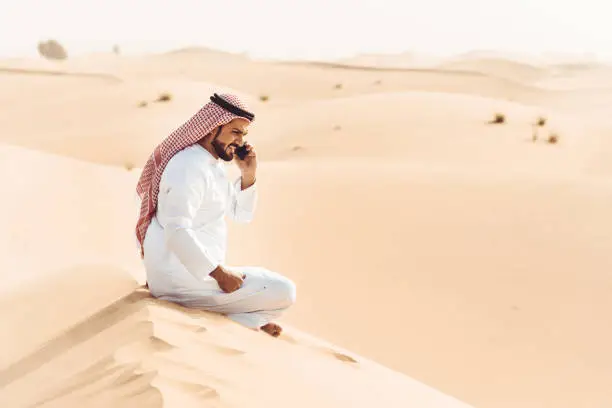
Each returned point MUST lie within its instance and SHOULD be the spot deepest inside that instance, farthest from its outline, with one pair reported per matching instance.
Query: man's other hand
(228, 281)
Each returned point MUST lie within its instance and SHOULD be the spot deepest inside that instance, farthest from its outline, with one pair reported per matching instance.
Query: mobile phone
(242, 152)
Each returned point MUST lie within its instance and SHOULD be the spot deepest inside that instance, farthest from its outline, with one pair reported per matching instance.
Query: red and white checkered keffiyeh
(199, 125)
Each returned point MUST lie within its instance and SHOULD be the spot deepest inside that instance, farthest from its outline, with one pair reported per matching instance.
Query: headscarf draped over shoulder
(221, 110)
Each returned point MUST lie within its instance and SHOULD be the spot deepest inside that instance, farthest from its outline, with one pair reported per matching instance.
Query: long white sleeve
(180, 200)
(243, 202)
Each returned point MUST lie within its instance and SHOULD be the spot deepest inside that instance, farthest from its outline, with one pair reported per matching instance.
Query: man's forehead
(239, 123)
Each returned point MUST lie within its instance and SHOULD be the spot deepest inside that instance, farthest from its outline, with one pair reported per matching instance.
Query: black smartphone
(242, 152)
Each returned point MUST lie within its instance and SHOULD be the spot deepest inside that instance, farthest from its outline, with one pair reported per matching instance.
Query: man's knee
(291, 291)
(285, 291)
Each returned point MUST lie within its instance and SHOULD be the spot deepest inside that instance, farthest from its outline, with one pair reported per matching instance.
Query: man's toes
(272, 329)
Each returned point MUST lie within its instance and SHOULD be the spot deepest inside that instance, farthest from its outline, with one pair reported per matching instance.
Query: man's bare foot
(272, 329)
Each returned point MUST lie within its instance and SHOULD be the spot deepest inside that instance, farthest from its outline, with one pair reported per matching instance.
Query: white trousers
(263, 297)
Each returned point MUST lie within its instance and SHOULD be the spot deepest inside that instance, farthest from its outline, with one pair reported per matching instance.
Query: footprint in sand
(200, 390)
(198, 394)
(288, 339)
(193, 327)
(228, 351)
(340, 356)
(159, 345)
(343, 357)
(224, 350)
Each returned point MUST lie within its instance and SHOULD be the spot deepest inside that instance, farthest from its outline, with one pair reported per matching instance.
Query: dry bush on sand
(164, 97)
(52, 50)
(498, 118)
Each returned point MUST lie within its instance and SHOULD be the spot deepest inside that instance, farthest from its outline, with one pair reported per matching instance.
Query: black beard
(221, 151)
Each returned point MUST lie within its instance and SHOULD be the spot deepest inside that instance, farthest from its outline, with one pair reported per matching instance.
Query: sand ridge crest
(137, 341)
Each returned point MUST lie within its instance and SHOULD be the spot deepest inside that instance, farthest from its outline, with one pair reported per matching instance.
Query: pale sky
(313, 29)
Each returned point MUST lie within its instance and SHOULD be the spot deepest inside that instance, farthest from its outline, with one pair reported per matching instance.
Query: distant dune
(400, 60)
(26, 71)
(516, 71)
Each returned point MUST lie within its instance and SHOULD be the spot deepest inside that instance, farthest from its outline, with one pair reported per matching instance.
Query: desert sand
(441, 260)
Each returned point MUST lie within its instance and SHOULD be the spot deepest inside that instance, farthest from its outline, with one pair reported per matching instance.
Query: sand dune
(59, 213)
(138, 351)
(119, 132)
(98, 121)
(296, 80)
(25, 71)
(571, 77)
(543, 58)
(516, 71)
(501, 280)
(67, 337)
(454, 251)
(413, 127)
(406, 125)
(399, 60)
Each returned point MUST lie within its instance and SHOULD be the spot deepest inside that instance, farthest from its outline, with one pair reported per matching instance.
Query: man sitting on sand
(185, 195)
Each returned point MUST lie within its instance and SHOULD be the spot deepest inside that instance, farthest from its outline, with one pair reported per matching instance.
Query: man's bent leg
(262, 298)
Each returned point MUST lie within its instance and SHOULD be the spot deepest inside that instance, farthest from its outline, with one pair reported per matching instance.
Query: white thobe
(187, 239)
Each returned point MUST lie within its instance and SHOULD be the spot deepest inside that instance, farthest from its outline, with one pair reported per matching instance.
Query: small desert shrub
(534, 134)
(553, 138)
(52, 50)
(164, 97)
(142, 104)
(264, 98)
(128, 166)
(338, 86)
(337, 127)
(499, 118)
(541, 121)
